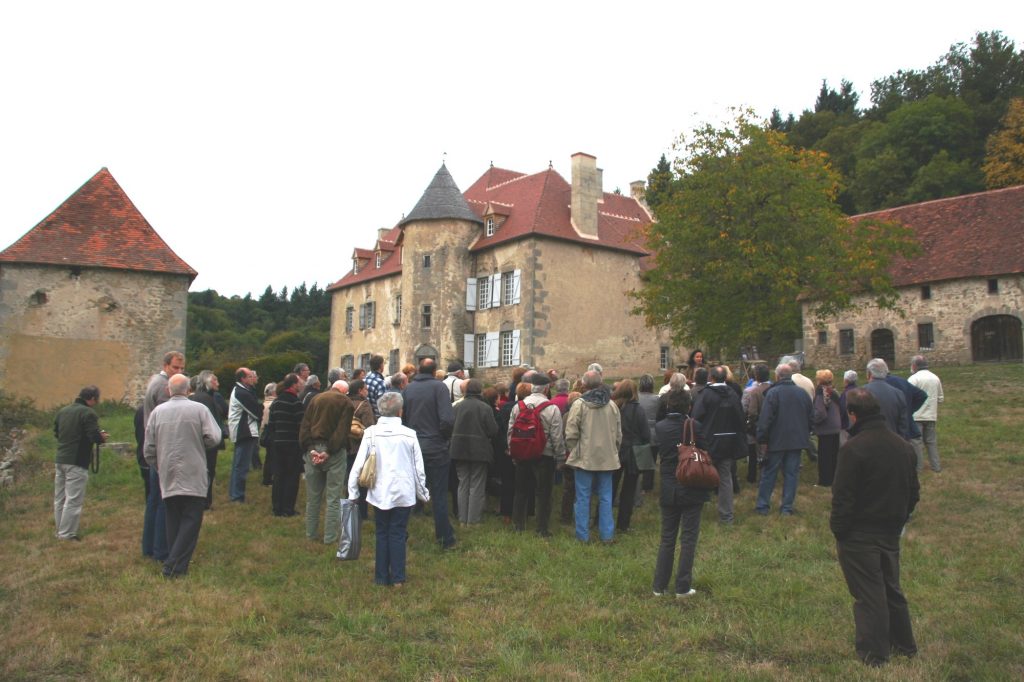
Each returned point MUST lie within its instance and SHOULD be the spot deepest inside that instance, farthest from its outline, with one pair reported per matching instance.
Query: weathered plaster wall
(60, 330)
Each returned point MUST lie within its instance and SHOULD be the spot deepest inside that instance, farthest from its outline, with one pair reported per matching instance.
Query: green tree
(658, 183)
(1004, 151)
(894, 155)
(751, 227)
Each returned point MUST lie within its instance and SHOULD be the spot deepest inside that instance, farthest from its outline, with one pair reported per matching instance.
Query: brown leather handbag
(695, 468)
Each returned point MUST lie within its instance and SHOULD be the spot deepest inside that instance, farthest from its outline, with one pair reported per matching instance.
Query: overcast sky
(265, 140)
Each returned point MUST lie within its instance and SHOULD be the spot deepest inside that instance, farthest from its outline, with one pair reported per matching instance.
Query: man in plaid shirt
(375, 382)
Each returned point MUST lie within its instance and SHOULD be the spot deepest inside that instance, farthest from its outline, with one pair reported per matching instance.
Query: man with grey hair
(783, 428)
(334, 374)
(891, 400)
(928, 413)
(323, 436)
(398, 383)
(207, 385)
(154, 539)
(177, 436)
(310, 390)
(593, 434)
(595, 367)
(798, 378)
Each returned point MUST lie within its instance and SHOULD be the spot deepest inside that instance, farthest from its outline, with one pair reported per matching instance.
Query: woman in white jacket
(400, 480)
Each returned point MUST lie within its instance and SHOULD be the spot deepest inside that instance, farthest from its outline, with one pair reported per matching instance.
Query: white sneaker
(659, 594)
(684, 595)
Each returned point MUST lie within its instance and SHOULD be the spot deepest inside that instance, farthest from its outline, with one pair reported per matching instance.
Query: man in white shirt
(927, 414)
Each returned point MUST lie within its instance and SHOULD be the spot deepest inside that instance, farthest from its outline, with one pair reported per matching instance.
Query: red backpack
(528, 437)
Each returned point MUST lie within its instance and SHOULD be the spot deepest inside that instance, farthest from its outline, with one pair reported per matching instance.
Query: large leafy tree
(1004, 152)
(752, 226)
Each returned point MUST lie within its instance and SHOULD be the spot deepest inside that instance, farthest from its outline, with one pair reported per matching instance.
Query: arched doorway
(884, 346)
(996, 338)
(425, 351)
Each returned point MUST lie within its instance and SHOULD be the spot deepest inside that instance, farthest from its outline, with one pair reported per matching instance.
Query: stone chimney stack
(638, 190)
(586, 193)
(381, 231)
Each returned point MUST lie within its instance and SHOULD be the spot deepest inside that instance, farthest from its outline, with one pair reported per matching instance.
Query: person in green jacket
(77, 429)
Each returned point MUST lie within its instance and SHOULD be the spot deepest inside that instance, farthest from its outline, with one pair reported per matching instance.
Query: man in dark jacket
(77, 430)
(783, 431)
(720, 418)
(874, 492)
(428, 412)
(207, 395)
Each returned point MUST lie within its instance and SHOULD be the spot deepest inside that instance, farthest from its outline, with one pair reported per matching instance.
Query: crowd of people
(440, 438)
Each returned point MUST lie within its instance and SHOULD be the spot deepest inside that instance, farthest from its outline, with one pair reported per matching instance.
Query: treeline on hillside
(270, 334)
(953, 128)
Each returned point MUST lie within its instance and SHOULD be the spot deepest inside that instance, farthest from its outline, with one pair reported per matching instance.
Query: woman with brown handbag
(680, 506)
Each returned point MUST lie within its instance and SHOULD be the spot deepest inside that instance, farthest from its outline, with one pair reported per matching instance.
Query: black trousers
(881, 617)
(211, 471)
(828, 453)
(626, 497)
(286, 483)
(568, 496)
(684, 522)
(184, 519)
(533, 479)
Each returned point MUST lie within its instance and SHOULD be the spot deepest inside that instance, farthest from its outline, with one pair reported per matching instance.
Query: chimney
(586, 193)
(638, 190)
(381, 231)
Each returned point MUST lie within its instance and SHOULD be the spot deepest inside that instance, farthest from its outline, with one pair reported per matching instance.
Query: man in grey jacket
(178, 435)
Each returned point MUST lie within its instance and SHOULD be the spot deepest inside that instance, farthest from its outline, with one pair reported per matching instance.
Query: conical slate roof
(442, 201)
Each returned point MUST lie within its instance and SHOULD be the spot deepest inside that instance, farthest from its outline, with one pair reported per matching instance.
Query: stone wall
(952, 308)
(573, 308)
(63, 328)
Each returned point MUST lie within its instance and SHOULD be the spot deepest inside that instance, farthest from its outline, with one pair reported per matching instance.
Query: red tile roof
(535, 204)
(539, 204)
(97, 226)
(975, 235)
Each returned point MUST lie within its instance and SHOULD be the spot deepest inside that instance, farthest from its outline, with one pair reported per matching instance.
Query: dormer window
(378, 260)
(490, 225)
(355, 266)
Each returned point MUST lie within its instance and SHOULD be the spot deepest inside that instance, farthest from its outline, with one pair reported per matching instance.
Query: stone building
(90, 295)
(519, 269)
(961, 298)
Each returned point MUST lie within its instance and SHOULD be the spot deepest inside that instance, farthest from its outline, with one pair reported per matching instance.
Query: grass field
(261, 602)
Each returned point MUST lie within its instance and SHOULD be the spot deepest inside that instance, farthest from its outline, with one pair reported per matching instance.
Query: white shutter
(467, 350)
(496, 290)
(471, 293)
(515, 288)
(515, 346)
(493, 346)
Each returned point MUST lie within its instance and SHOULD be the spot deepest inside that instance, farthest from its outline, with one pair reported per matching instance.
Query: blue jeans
(601, 483)
(154, 524)
(437, 484)
(789, 461)
(244, 452)
(392, 535)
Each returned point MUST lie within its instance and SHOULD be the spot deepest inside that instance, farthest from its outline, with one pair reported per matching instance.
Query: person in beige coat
(593, 433)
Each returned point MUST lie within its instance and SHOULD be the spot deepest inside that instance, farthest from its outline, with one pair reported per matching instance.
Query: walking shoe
(684, 595)
(659, 594)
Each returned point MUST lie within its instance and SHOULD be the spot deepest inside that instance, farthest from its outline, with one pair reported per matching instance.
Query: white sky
(265, 140)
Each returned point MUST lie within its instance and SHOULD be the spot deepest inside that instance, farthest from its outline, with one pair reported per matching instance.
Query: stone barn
(961, 298)
(90, 295)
